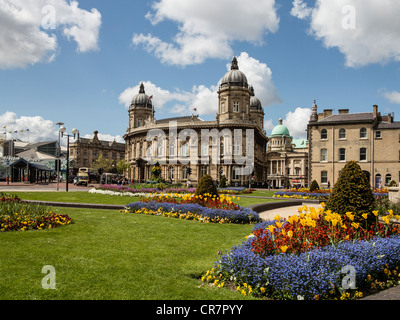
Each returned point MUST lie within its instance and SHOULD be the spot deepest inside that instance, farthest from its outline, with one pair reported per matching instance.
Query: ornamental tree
(206, 185)
(352, 193)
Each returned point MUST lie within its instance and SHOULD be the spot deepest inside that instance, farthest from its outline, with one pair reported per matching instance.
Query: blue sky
(84, 71)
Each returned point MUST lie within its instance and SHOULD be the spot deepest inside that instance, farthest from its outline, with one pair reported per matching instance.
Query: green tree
(314, 186)
(156, 172)
(352, 193)
(102, 163)
(223, 182)
(206, 185)
(122, 166)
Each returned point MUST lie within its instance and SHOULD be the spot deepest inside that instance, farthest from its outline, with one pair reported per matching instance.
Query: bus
(92, 173)
(109, 178)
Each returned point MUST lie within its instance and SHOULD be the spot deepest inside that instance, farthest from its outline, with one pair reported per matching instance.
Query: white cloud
(106, 137)
(268, 125)
(300, 9)
(297, 121)
(259, 75)
(26, 35)
(39, 128)
(160, 96)
(393, 97)
(207, 28)
(364, 31)
(205, 99)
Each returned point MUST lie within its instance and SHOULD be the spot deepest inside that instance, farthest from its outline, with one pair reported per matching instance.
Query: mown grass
(86, 197)
(111, 255)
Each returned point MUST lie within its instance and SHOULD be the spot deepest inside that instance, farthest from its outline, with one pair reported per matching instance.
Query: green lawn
(112, 255)
(85, 197)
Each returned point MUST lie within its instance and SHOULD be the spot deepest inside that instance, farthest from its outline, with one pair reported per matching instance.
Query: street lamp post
(59, 124)
(74, 132)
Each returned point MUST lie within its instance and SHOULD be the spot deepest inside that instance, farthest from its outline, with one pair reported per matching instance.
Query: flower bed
(303, 257)
(319, 194)
(206, 200)
(193, 211)
(235, 190)
(19, 216)
(124, 190)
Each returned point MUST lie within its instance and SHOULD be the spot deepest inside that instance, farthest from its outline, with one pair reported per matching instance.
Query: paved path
(284, 212)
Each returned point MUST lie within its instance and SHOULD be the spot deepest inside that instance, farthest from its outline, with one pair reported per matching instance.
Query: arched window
(324, 134)
(171, 173)
(342, 134)
(363, 133)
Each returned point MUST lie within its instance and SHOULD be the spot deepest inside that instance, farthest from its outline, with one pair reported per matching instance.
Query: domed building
(287, 159)
(187, 147)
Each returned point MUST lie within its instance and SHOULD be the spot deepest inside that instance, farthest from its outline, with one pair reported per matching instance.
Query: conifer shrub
(314, 186)
(206, 185)
(352, 193)
(223, 182)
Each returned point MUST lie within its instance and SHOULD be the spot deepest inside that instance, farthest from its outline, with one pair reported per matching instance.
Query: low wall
(261, 207)
(78, 205)
(394, 194)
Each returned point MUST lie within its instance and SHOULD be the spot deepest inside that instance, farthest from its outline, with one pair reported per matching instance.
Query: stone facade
(369, 138)
(287, 159)
(185, 144)
(84, 151)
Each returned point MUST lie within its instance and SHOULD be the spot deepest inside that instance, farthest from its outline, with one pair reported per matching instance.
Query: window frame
(365, 154)
(341, 131)
(324, 155)
(363, 133)
(340, 154)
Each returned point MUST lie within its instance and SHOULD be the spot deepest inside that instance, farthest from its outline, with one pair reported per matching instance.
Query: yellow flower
(262, 289)
(284, 248)
(271, 228)
(365, 216)
(278, 224)
(277, 218)
(375, 212)
(355, 225)
(290, 234)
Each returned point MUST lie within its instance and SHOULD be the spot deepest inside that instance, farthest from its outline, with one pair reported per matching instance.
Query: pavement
(41, 187)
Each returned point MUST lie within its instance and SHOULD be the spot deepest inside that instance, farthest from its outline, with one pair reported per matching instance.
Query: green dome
(280, 130)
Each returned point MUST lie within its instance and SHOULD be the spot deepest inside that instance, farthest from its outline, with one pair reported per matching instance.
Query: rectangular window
(204, 149)
(363, 154)
(171, 149)
(235, 173)
(236, 148)
(203, 171)
(324, 176)
(184, 173)
(324, 155)
(222, 107)
(378, 135)
(140, 123)
(342, 154)
(236, 107)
